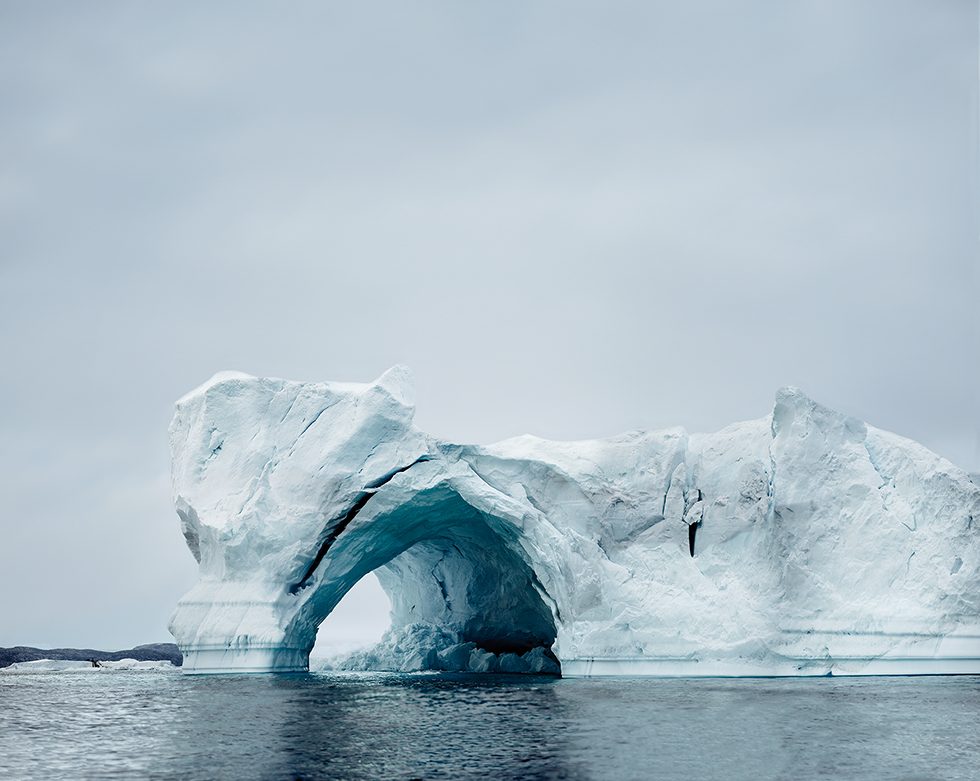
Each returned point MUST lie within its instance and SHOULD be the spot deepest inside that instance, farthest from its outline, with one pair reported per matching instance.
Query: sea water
(156, 724)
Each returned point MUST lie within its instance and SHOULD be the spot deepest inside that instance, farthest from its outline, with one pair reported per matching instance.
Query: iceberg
(77, 665)
(802, 543)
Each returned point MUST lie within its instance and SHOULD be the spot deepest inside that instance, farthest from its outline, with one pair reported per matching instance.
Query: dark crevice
(442, 590)
(309, 425)
(375, 484)
(439, 581)
(692, 532)
(338, 525)
(538, 586)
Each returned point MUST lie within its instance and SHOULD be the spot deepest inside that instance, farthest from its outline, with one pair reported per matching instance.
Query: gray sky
(568, 219)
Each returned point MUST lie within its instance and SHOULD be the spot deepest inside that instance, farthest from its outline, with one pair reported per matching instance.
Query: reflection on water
(164, 725)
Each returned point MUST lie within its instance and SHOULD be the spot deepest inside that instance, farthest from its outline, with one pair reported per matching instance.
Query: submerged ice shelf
(802, 543)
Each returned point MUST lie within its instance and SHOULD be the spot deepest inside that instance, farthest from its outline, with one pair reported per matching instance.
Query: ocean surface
(159, 724)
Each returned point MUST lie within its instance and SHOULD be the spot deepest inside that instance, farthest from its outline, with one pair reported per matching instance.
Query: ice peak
(795, 410)
(216, 379)
(400, 383)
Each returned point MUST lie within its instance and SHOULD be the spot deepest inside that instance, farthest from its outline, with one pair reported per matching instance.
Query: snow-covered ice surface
(802, 543)
(64, 665)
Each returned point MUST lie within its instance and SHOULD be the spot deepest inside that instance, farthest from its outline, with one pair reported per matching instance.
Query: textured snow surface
(820, 544)
(65, 665)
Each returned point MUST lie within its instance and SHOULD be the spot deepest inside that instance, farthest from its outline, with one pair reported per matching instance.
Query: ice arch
(822, 543)
(289, 494)
(442, 562)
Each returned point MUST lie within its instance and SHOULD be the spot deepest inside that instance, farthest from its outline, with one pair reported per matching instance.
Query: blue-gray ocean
(378, 726)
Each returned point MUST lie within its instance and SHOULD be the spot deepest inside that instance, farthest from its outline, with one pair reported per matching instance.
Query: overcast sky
(567, 219)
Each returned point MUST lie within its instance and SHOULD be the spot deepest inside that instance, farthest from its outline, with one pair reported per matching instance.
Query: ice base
(258, 659)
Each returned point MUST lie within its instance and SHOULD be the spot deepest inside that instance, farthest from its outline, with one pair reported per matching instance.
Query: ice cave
(805, 542)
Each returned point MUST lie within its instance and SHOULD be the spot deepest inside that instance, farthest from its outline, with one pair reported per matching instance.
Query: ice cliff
(802, 543)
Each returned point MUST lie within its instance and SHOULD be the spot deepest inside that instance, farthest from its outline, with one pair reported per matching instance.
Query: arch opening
(360, 621)
(464, 595)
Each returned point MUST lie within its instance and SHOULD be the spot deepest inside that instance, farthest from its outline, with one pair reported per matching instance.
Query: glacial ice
(66, 665)
(802, 543)
(424, 647)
